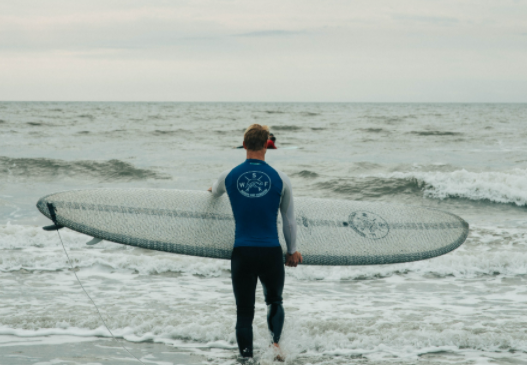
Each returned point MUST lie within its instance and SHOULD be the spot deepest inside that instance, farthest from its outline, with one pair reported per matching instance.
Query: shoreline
(56, 349)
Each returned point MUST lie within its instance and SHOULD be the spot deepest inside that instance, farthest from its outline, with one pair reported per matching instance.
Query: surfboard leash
(57, 226)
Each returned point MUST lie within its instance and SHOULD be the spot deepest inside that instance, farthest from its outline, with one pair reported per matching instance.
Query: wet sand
(88, 350)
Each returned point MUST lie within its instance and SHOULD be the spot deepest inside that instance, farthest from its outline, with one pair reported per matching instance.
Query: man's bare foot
(279, 356)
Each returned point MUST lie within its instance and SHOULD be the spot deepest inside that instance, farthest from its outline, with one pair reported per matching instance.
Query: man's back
(256, 192)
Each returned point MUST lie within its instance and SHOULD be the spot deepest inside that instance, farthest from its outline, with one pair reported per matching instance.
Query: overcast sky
(272, 50)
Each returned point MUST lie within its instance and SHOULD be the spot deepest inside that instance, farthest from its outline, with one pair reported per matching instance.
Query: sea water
(462, 308)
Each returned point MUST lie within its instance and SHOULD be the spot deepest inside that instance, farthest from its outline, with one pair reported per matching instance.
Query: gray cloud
(236, 50)
(140, 33)
(270, 33)
(439, 20)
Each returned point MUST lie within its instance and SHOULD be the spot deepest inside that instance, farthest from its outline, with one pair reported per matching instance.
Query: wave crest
(51, 169)
(371, 187)
(498, 187)
(290, 128)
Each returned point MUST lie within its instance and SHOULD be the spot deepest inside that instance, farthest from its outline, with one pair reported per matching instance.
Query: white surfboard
(330, 232)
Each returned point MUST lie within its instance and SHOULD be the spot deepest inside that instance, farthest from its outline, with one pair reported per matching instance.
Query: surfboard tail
(42, 206)
(46, 207)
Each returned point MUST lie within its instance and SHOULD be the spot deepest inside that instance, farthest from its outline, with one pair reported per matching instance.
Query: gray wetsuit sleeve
(287, 209)
(218, 189)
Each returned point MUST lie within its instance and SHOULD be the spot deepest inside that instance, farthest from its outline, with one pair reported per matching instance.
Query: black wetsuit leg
(244, 278)
(272, 277)
(247, 264)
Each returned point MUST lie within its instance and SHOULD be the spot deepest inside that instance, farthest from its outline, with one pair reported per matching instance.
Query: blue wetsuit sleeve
(287, 209)
(218, 189)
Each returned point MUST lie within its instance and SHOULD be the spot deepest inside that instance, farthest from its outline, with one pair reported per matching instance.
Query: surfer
(257, 192)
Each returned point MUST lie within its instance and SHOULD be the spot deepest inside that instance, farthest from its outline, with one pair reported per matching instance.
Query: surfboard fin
(53, 227)
(94, 241)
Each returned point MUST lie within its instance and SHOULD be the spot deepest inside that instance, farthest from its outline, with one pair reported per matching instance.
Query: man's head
(255, 137)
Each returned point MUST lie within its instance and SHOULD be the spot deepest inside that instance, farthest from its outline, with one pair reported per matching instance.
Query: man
(256, 192)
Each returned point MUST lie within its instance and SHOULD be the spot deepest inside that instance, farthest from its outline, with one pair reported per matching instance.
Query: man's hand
(293, 260)
(210, 189)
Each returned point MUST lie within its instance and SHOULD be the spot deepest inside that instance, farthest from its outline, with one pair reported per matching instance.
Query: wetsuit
(257, 192)
(270, 145)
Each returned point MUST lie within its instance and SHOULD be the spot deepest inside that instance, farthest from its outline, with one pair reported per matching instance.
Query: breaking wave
(86, 116)
(176, 132)
(436, 133)
(51, 169)
(373, 130)
(364, 188)
(306, 174)
(498, 187)
(274, 112)
(285, 128)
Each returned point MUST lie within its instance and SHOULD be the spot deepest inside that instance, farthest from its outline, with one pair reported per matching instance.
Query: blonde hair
(256, 136)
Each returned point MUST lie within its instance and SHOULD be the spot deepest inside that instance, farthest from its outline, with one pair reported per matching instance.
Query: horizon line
(264, 102)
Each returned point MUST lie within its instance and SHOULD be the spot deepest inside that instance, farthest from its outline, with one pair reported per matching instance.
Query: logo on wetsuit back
(253, 184)
(369, 225)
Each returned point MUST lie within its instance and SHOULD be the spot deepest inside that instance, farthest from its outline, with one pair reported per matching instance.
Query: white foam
(499, 187)
(49, 336)
(378, 312)
(32, 249)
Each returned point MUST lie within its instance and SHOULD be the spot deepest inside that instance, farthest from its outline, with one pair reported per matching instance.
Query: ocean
(466, 307)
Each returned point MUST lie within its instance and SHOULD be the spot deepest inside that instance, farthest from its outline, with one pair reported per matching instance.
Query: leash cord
(88, 295)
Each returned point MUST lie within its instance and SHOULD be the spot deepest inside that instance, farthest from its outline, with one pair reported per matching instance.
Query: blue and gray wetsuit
(257, 192)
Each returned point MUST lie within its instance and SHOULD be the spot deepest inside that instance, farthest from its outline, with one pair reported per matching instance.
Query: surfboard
(330, 232)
